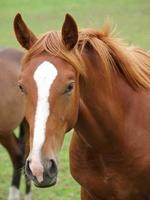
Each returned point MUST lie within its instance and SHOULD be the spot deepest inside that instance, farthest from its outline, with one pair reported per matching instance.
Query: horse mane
(131, 62)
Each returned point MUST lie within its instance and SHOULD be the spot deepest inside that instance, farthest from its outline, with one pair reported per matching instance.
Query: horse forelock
(132, 63)
(52, 43)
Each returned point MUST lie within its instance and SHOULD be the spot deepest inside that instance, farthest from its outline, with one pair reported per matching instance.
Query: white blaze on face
(44, 76)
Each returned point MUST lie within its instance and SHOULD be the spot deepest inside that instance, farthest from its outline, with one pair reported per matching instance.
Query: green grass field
(132, 18)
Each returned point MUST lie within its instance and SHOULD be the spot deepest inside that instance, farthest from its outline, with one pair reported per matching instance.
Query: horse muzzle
(44, 175)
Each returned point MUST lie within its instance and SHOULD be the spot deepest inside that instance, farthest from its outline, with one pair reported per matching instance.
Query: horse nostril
(52, 168)
(27, 168)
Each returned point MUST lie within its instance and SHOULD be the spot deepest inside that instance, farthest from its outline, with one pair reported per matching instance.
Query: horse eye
(69, 88)
(21, 87)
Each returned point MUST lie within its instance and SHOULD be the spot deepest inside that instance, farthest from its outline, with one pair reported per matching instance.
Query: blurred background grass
(132, 18)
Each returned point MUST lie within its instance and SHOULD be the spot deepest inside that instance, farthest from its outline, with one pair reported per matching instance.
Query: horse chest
(102, 181)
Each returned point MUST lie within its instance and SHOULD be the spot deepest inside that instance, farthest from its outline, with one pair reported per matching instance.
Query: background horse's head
(51, 87)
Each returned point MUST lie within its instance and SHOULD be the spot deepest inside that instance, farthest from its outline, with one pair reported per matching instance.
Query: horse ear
(69, 32)
(23, 34)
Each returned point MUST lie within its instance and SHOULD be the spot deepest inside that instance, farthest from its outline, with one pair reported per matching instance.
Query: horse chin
(45, 184)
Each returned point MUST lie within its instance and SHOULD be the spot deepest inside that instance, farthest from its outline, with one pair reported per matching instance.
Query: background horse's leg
(10, 142)
(85, 195)
(16, 149)
(24, 131)
(28, 189)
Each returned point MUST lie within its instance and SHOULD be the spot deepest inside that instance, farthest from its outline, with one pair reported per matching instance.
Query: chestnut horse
(92, 82)
(12, 110)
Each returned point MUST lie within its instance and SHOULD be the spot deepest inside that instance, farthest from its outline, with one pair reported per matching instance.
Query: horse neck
(101, 112)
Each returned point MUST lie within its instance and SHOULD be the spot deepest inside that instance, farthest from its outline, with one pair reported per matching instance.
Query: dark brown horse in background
(92, 82)
(12, 107)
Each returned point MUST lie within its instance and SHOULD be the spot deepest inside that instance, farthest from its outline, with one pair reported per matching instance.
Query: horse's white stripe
(14, 193)
(44, 76)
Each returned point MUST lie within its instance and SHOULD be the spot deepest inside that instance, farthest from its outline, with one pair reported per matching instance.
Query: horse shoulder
(85, 165)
